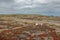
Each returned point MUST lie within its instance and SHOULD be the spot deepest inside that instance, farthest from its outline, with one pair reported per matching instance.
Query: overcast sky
(48, 7)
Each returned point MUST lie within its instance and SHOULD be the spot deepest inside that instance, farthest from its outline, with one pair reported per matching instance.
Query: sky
(45, 7)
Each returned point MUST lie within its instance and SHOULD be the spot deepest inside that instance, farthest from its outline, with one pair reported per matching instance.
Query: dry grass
(12, 26)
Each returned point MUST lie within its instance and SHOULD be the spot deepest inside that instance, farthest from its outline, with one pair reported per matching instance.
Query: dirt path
(35, 21)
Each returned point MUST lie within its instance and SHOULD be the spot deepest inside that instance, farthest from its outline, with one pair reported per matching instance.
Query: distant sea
(47, 14)
(39, 12)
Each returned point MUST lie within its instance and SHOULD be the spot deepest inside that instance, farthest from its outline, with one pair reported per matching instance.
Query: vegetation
(16, 27)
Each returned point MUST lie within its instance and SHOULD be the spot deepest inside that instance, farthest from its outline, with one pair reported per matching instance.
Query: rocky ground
(29, 27)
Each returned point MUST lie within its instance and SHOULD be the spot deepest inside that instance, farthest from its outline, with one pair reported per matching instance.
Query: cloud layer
(49, 7)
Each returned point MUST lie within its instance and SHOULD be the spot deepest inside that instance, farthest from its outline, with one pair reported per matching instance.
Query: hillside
(29, 27)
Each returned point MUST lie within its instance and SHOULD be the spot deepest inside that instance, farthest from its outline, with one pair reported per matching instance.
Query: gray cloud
(7, 1)
(48, 7)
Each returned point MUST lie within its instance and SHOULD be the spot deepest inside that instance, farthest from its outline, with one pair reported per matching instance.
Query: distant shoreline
(26, 14)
